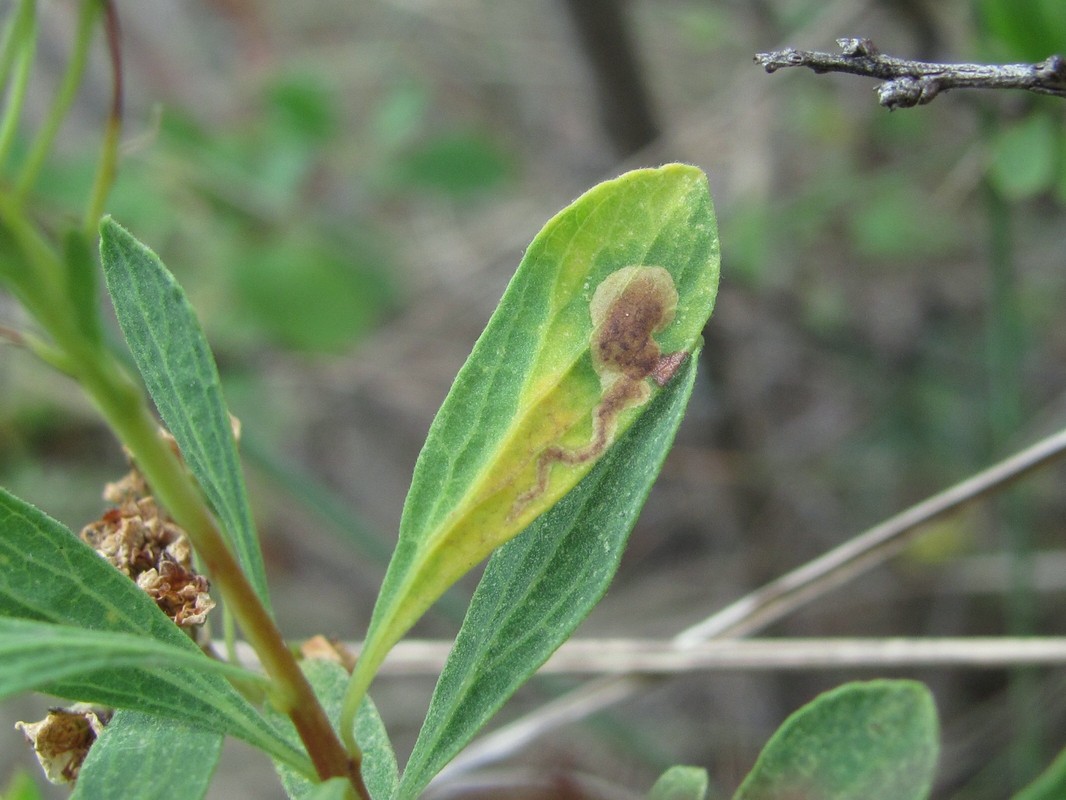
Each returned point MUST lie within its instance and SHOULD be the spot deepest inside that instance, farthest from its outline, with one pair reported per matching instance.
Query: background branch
(912, 83)
(594, 656)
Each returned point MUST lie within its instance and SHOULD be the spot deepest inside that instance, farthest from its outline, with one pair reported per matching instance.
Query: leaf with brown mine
(629, 307)
(564, 367)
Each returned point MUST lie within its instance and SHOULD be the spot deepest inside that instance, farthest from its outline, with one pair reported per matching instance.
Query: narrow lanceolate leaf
(174, 359)
(329, 680)
(380, 772)
(147, 758)
(606, 305)
(34, 655)
(47, 574)
(680, 783)
(539, 586)
(860, 741)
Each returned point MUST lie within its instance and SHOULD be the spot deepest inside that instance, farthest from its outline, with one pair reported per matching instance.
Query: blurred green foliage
(21, 787)
(1028, 154)
(280, 219)
(456, 164)
(1026, 30)
(273, 217)
(278, 238)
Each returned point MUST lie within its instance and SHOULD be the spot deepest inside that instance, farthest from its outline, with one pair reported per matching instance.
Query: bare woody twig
(912, 83)
(665, 657)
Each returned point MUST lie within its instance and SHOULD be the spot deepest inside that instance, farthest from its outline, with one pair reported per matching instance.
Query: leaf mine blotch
(629, 307)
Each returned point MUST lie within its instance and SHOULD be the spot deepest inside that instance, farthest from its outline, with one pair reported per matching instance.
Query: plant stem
(64, 98)
(17, 30)
(108, 164)
(18, 49)
(122, 405)
(42, 283)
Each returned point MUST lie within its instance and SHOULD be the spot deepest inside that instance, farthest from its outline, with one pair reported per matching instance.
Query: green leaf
(329, 680)
(545, 393)
(861, 741)
(680, 783)
(174, 359)
(49, 575)
(1024, 157)
(148, 758)
(1049, 785)
(34, 655)
(538, 587)
(380, 773)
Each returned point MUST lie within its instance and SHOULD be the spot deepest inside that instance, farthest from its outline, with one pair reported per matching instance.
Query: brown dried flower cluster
(142, 542)
(145, 544)
(63, 738)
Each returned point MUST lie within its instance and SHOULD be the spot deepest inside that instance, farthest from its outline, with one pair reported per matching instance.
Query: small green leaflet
(680, 783)
(876, 740)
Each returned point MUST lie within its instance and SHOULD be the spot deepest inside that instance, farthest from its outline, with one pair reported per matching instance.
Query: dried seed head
(143, 543)
(63, 738)
(180, 592)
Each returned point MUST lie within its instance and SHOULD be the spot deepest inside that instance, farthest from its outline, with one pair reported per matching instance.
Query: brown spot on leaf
(668, 366)
(629, 307)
